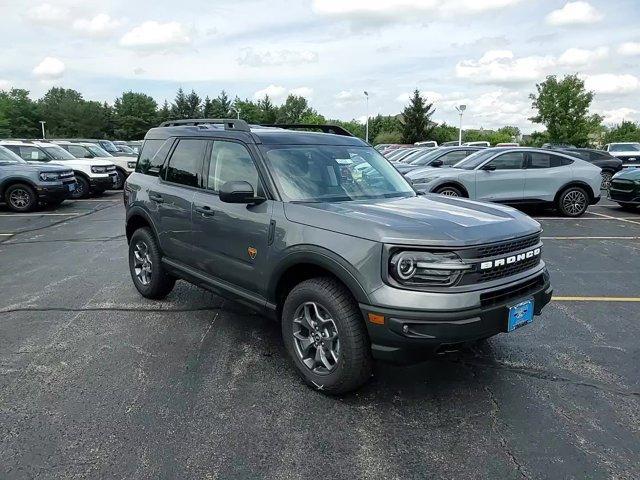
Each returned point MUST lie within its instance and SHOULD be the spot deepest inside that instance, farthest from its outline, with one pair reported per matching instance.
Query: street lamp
(237, 110)
(460, 110)
(42, 125)
(366, 94)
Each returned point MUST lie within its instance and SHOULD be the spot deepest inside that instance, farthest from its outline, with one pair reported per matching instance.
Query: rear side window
(185, 164)
(451, 158)
(544, 160)
(152, 156)
(32, 153)
(79, 151)
(508, 161)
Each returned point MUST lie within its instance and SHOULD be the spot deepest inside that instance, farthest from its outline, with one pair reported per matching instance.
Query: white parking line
(600, 217)
(38, 214)
(624, 219)
(7, 234)
(93, 200)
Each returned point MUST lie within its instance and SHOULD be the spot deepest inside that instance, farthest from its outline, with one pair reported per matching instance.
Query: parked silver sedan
(517, 176)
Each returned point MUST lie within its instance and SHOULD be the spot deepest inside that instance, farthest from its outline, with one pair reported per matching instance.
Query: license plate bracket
(520, 315)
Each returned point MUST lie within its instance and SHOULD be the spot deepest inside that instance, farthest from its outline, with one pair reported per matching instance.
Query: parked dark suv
(350, 259)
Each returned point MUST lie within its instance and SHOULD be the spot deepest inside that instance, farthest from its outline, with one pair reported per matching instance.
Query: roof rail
(335, 129)
(228, 123)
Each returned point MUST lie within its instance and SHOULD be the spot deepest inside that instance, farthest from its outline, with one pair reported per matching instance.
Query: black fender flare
(137, 211)
(7, 182)
(320, 257)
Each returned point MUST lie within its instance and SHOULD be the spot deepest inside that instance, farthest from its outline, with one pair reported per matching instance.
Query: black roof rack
(335, 129)
(228, 123)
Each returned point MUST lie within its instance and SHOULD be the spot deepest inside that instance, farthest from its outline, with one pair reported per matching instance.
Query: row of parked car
(47, 172)
(568, 178)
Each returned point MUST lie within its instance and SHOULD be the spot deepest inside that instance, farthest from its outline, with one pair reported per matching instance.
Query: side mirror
(489, 168)
(437, 163)
(238, 192)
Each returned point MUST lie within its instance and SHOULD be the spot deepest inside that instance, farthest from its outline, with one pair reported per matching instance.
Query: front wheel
(325, 335)
(449, 191)
(606, 179)
(82, 188)
(573, 202)
(148, 275)
(21, 198)
(119, 185)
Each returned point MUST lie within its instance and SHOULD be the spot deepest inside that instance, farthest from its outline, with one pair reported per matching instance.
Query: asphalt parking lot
(97, 382)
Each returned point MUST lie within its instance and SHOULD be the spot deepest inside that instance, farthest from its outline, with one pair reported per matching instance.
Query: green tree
(194, 105)
(134, 114)
(444, 133)
(69, 115)
(294, 109)
(268, 111)
(416, 119)
(164, 113)
(207, 107)
(18, 114)
(220, 106)
(384, 123)
(624, 132)
(249, 111)
(563, 107)
(180, 106)
(388, 137)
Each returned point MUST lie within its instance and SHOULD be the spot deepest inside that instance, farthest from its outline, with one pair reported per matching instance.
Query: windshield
(625, 147)
(108, 145)
(324, 173)
(58, 153)
(7, 156)
(475, 159)
(426, 157)
(125, 149)
(97, 151)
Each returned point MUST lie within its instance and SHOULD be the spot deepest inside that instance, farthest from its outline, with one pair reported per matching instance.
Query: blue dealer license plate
(520, 315)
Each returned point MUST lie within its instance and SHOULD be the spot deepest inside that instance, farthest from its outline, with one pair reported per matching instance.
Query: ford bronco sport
(320, 232)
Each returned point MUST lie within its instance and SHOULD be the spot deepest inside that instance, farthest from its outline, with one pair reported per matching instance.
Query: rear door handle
(154, 197)
(205, 211)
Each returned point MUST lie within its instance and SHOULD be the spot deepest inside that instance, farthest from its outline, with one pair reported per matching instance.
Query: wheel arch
(7, 182)
(452, 183)
(575, 183)
(307, 263)
(138, 218)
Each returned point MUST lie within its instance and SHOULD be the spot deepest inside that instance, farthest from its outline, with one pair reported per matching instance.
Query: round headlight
(405, 266)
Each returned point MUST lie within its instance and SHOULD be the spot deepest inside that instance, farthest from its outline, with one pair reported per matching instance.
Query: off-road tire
(355, 365)
(20, 198)
(82, 188)
(161, 283)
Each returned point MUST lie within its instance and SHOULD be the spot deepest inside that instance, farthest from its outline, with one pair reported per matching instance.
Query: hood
(95, 162)
(628, 174)
(405, 168)
(123, 157)
(421, 220)
(433, 172)
(40, 167)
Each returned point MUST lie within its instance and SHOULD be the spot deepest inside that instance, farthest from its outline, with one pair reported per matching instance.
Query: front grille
(502, 296)
(622, 185)
(504, 248)
(508, 270)
(111, 168)
(66, 175)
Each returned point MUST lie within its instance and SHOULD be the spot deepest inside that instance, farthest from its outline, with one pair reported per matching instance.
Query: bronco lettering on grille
(509, 260)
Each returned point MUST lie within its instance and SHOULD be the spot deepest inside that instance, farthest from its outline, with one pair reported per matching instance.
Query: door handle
(205, 211)
(154, 197)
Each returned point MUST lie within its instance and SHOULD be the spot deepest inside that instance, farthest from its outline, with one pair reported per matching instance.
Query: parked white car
(125, 166)
(517, 176)
(93, 175)
(628, 152)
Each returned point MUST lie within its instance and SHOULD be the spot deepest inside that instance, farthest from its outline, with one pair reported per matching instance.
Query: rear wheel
(326, 337)
(449, 191)
(21, 198)
(573, 202)
(148, 275)
(119, 180)
(82, 188)
(606, 179)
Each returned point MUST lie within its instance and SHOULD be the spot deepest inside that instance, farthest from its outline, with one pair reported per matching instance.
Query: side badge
(252, 252)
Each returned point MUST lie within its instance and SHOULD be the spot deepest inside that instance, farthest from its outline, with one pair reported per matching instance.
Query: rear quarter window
(152, 156)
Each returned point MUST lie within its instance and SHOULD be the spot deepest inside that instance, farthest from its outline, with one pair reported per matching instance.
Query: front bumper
(410, 335)
(103, 183)
(51, 193)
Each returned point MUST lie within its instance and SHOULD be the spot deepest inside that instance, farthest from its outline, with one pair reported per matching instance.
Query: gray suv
(23, 185)
(320, 232)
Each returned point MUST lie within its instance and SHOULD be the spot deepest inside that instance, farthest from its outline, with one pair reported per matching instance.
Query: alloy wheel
(316, 338)
(574, 202)
(142, 265)
(19, 198)
(449, 192)
(606, 180)
(79, 191)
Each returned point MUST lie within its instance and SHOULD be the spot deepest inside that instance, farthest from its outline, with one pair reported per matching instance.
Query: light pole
(42, 125)
(237, 110)
(460, 110)
(366, 94)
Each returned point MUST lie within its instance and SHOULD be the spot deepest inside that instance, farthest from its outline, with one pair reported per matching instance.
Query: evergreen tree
(207, 108)
(268, 111)
(134, 114)
(19, 116)
(180, 106)
(416, 118)
(164, 113)
(221, 106)
(194, 105)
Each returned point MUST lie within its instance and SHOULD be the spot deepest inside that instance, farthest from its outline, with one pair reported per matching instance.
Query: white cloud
(616, 116)
(579, 56)
(629, 49)
(5, 84)
(50, 68)
(156, 35)
(574, 13)
(609, 83)
(98, 26)
(305, 92)
(47, 14)
(254, 58)
(501, 67)
(428, 96)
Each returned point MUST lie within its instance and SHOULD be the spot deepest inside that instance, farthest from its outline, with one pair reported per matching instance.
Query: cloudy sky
(487, 54)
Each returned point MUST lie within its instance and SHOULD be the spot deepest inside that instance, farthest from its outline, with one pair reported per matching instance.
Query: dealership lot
(96, 381)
